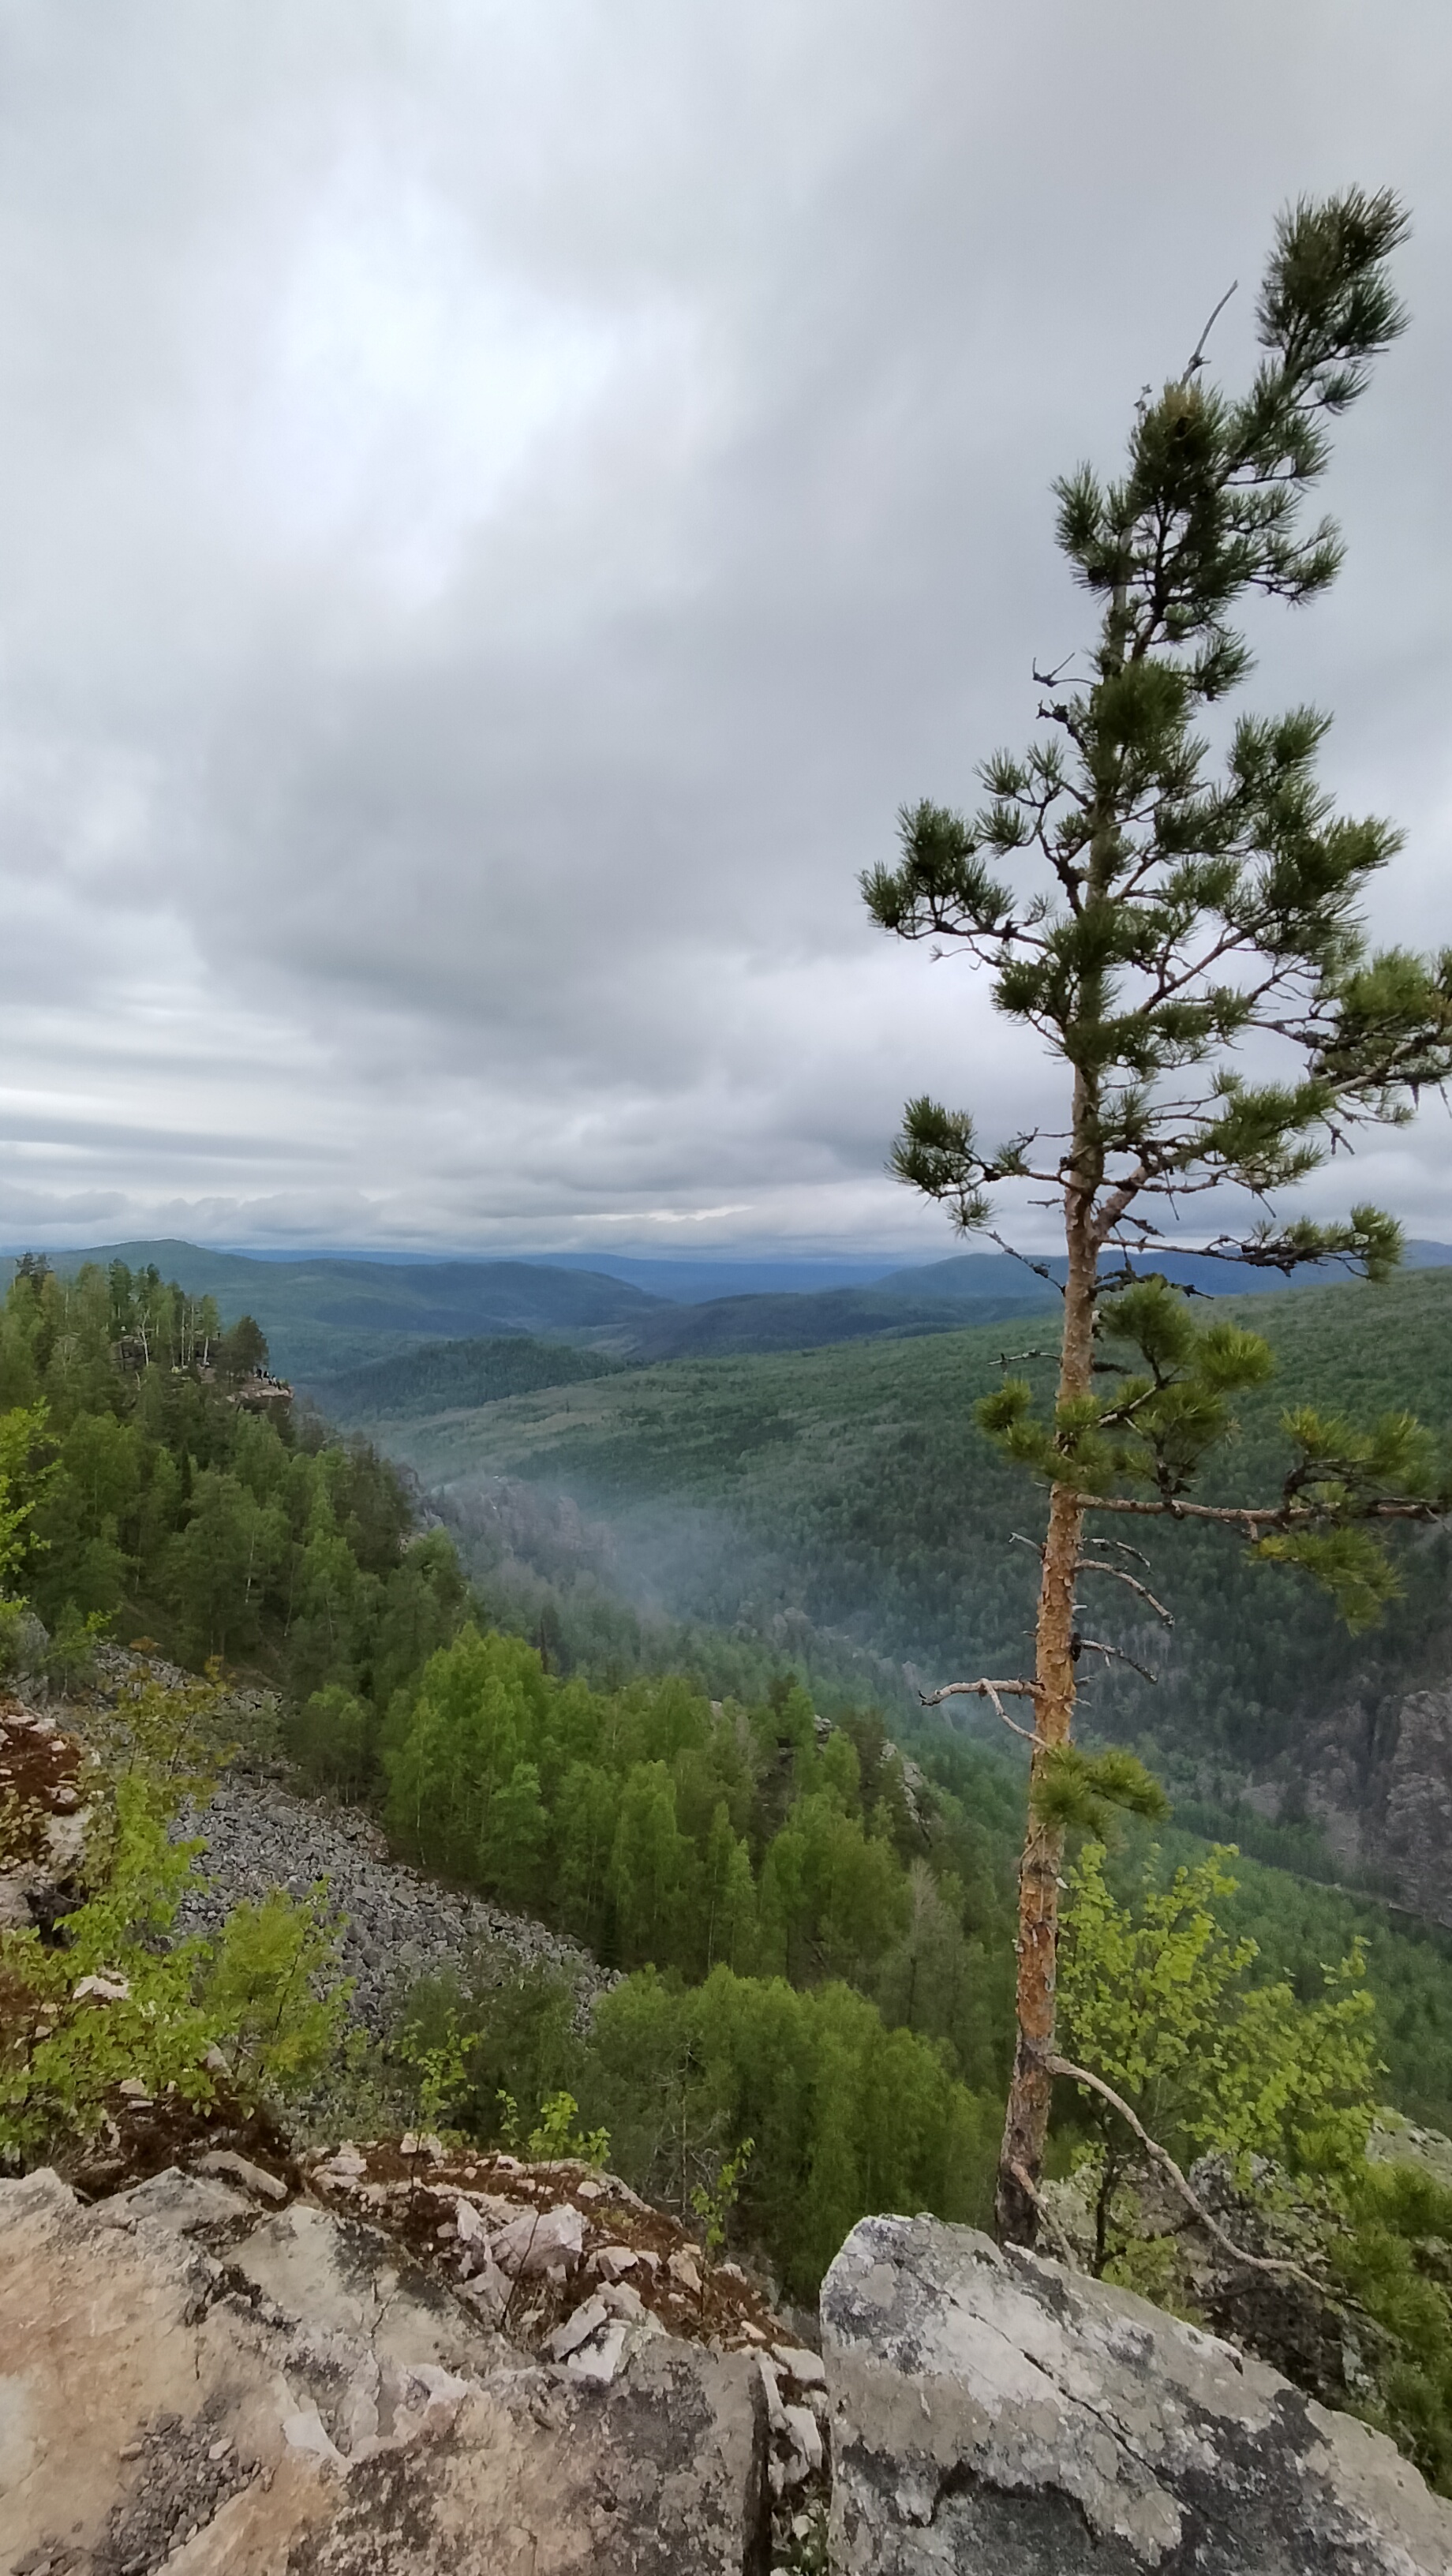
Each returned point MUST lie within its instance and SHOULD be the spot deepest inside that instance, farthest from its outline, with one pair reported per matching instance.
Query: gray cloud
(501, 504)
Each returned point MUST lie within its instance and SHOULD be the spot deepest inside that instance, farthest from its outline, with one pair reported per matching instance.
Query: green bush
(1394, 2257)
(117, 1996)
(846, 2115)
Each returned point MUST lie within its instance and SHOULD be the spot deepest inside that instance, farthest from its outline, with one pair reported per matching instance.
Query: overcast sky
(500, 503)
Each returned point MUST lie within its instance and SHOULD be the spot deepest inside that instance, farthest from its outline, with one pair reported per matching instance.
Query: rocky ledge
(991, 2411)
(418, 2360)
(407, 2359)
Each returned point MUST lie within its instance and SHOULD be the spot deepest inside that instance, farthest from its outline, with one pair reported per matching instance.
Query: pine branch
(987, 1690)
(1116, 1573)
(1121, 1547)
(1255, 1517)
(1040, 1269)
(1082, 1645)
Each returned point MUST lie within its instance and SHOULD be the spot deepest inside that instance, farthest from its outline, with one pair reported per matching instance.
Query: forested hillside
(152, 1480)
(852, 1486)
(327, 1317)
(442, 1377)
(165, 1493)
(817, 1941)
(323, 1315)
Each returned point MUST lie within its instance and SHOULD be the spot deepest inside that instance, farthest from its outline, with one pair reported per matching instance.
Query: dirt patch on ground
(41, 1781)
(142, 2137)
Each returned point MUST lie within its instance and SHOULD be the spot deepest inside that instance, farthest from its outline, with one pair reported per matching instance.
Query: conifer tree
(1187, 941)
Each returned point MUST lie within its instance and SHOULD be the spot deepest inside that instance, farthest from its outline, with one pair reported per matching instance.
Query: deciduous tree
(1155, 1999)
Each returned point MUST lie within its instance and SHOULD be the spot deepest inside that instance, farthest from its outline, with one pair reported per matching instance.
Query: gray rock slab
(333, 2277)
(659, 2474)
(303, 2406)
(992, 2412)
(241, 2169)
(187, 2203)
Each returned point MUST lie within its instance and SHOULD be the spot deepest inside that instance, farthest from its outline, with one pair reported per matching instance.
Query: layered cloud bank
(502, 505)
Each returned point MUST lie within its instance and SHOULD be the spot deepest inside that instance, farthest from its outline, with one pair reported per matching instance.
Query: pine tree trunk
(1025, 2128)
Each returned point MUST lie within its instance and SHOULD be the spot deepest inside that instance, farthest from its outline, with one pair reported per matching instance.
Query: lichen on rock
(991, 2410)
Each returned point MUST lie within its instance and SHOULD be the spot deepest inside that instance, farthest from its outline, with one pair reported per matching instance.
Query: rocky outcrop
(1379, 1781)
(427, 2360)
(993, 2412)
(194, 2375)
(42, 1798)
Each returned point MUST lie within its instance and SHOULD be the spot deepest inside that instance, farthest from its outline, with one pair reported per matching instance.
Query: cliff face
(1379, 1781)
(216, 2374)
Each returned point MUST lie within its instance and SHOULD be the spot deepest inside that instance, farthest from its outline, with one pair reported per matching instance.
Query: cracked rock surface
(195, 2379)
(991, 2411)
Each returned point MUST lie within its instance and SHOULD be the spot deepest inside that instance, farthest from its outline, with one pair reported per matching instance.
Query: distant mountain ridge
(321, 1316)
(327, 1316)
(972, 1275)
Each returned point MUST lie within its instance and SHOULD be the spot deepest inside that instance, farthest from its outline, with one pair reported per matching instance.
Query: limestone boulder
(994, 2413)
(189, 2379)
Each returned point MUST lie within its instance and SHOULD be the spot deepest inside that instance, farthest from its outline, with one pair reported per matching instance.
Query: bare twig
(1260, 1516)
(1198, 359)
(1017, 1539)
(1116, 1654)
(1010, 1359)
(979, 1690)
(1162, 2157)
(1121, 1547)
(1040, 1269)
(987, 1690)
(1109, 1282)
(1116, 1573)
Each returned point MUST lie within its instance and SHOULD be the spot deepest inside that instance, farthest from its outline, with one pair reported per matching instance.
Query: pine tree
(1159, 926)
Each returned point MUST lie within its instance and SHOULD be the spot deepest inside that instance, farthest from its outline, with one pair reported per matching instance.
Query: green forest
(442, 1377)
(810, 1903)
(159, 1504)
(166, 1496)
(851, 1486)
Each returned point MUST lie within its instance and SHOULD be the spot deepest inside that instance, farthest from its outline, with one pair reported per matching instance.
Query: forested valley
(805, 1891)
(845, 1502)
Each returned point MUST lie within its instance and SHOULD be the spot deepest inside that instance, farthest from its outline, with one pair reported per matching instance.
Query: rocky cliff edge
(507, 2372)
(991, 2411)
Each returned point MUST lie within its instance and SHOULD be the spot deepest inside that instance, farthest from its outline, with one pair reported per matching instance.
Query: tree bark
(1025, 2129)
